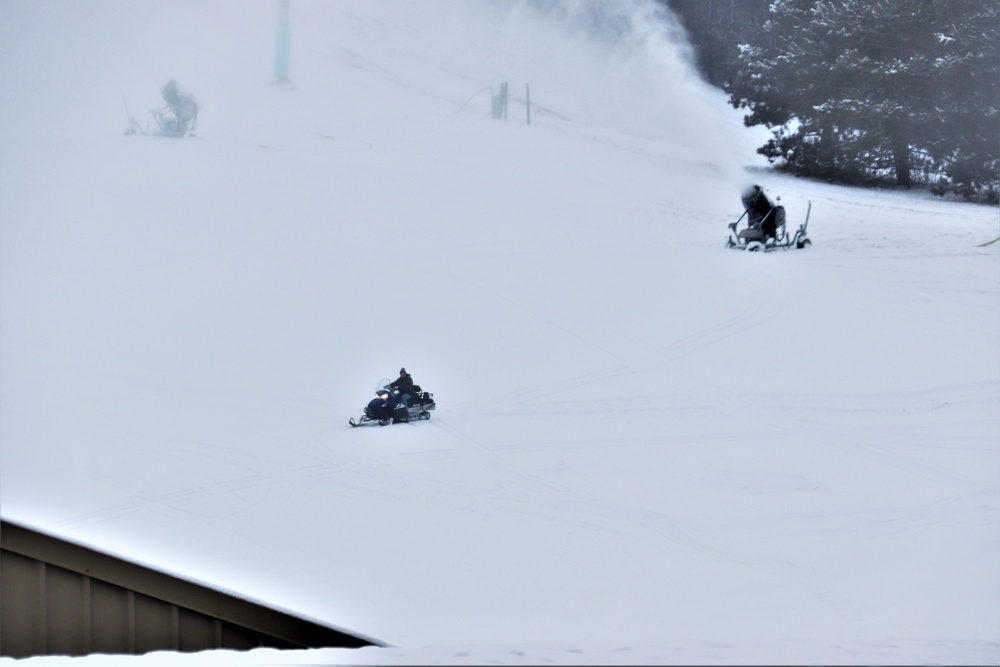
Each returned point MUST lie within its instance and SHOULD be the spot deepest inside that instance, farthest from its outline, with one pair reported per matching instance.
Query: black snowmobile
(765, 228)
(388, 407)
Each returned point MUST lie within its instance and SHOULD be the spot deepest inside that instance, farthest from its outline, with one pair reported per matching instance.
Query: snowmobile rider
(404, 385)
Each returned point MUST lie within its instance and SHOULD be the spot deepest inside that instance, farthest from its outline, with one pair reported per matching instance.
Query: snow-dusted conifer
(860, 90)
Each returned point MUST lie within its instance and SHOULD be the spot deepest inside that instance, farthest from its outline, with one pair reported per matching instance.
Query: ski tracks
(660, 357)
(551, 500)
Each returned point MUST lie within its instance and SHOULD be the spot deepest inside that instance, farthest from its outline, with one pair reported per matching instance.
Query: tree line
(903, 92)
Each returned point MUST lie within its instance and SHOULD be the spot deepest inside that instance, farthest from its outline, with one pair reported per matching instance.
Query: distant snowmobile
(765, 229)
(388, 407)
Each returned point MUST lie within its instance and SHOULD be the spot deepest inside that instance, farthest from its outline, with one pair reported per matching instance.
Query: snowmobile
(765, 228)
(390, 408)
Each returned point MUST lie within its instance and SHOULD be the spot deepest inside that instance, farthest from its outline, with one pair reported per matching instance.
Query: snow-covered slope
(647, 447)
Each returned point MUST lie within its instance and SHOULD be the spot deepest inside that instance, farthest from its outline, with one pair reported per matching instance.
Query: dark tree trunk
(901, 154)
(827, 159)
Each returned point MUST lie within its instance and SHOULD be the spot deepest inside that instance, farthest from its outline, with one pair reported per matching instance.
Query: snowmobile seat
(422, 399)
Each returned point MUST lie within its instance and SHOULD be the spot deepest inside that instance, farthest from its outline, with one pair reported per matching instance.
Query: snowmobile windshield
(383, 384)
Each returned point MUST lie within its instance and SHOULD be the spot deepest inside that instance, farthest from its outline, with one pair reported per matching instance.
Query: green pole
(282, 44)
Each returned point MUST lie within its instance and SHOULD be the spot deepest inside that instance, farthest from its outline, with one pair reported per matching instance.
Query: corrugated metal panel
(59, 598)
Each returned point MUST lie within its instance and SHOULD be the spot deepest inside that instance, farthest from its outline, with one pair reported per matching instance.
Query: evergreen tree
(964, 135)
(865, 90)
(716, 28)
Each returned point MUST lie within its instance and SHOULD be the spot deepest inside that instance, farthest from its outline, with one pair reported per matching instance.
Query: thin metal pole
(282, 44)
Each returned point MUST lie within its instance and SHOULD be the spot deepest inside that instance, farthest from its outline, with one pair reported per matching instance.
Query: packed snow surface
(647, 449)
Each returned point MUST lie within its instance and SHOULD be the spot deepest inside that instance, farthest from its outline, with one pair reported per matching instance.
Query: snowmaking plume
(635, 55)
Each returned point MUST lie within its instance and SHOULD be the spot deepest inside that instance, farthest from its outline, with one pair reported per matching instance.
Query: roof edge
(212, 602)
